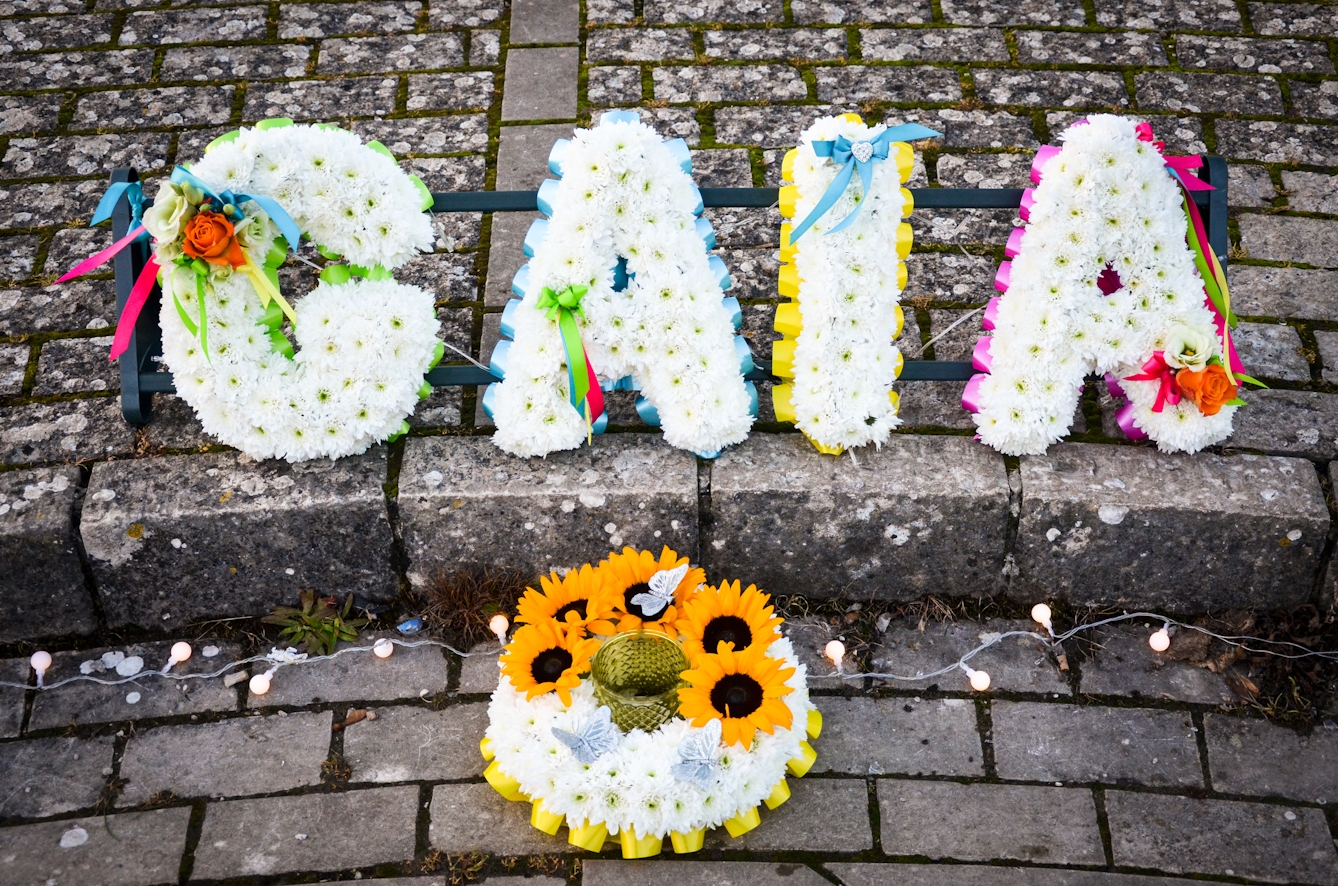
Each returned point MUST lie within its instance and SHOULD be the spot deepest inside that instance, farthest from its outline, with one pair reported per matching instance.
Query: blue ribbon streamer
(291, 232)
(840, 152)
(134, 191)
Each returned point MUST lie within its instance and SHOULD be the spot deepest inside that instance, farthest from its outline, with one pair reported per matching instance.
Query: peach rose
(1208, 389)
(209, 235)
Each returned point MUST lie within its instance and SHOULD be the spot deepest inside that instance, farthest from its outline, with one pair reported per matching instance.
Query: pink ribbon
(101, 258)
(594, 397)
(125, 326)
(1014, 246)
(971, 394)
(980, 355)
(1028, 201)
(1158, 370)
(1114, 387)
(1124, 417)
(1004, 276)
(991, 315)
(1042, 157)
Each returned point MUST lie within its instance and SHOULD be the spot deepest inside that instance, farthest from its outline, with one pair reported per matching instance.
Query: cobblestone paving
(1128, 770)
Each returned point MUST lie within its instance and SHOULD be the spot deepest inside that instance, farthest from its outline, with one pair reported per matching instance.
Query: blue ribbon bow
(135, 192)
(843, 152)
(287, 227)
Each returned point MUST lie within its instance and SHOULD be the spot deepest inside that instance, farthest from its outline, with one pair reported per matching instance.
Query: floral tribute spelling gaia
(620, 287)
(220, 231)
(638, 702)
(843, 267)
(1113, 272)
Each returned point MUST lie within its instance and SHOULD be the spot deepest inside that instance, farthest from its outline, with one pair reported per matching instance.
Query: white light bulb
(1160, 641)
(835, 651)
(41, 662)
(180, 652)
(382, 648)
(980, 681)
(1040, 613)
(260, 684)
(499, 624)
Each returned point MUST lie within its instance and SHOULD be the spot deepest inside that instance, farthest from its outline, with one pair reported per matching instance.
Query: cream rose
(169, 213)
(1189, 347)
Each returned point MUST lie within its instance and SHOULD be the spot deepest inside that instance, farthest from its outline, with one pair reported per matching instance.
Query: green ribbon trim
(1206, 271)
(565, 307)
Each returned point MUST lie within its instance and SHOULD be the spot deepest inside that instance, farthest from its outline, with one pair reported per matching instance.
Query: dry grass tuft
(457, 605)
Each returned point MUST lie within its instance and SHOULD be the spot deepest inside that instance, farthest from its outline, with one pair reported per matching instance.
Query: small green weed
(317, 625)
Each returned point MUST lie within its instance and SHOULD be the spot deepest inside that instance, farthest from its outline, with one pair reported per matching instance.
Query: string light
(181, 651)
(382, 648)
(499, 624)
(836, 652)
(1041, 614)
(1160, 641)
(979, 680)
(41, 662)
(260, 683)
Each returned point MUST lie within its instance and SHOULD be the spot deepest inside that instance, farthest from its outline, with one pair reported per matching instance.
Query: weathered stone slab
(1250, 186)
(1224, 837)
(981, 822)
(1271, 351)
(522, 165)
(1264, 759)
(42, 590)
(316, 832)
(1302, 423)
(639, 45)
(1125, 665)
(1274, 142)
(131, 849)
(545, 21)
(15, 670)
(598, 872)
(87, 702)
(921, 514)
(76, 366)
(65, 431)
(176, 538)
(827, 43)
(475, 818)
(1129, 526)
(230, 758)
(360, 676)
(728, 83)
(1281, 238)
(48, 776)
(897, 736)
(1119, 48)
(822, 815)
(1311, 191)
(463, 500)
(983, 875)
(1328, 353)
(504, 252)
(479, 672)
(1068, 743)
(413, 743)
(540, 84)
(1015, 664)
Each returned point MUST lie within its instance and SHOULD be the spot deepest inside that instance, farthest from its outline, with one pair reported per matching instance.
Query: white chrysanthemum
(1104, 199)
(363, 346)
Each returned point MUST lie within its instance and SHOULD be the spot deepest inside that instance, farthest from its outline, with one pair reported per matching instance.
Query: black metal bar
(1215, 174)
(136, 400)
(447, 376)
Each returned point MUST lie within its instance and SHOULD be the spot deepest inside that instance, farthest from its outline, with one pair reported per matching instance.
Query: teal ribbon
(135, 192)
(842, 152)
(565, 307)
(228, 203)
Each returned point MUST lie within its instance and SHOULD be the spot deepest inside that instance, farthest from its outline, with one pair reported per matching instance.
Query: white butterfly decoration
(697, 753)
(596, 738)
(662, 587)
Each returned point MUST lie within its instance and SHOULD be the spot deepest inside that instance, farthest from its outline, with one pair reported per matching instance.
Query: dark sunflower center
(639, 588)
(729, 628)
(549, 665)
(736, 695)
(577, 606)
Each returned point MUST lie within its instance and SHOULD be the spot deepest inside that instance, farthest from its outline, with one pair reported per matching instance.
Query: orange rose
(1209, 389)
(209, 235)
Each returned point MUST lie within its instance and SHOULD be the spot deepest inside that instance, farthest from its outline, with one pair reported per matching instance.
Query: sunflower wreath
(222, 227)
(637, 702)
(620, 288)
(1113, 273)
(843, 267)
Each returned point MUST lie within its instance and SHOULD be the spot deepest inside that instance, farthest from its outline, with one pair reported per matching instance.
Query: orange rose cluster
(211, 236)
(1210, 389)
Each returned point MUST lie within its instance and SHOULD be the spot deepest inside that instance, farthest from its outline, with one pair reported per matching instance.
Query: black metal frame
(141, 379)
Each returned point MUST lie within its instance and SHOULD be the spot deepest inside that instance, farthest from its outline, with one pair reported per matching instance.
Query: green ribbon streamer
(565, 307)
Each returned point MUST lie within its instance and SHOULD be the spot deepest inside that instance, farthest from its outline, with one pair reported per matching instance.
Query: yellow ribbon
(267, 290)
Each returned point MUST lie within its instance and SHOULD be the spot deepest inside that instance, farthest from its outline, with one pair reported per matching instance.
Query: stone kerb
(1121, 526)
(183, 537)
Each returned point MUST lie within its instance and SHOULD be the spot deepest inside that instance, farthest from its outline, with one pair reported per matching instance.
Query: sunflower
(741, 689)
(711, 617)
(580, 599)
(546, 656)
(629, 574)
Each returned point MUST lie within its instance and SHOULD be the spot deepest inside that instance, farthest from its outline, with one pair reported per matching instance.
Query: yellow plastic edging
(589, 837)
(896, 407)
(639, 847)
(907, 202)
(502, 783)
(825, 450)
(800, 765)
(743, 822)
(814, 725)
(542, 819)
(788, 320)
(782, 358)
(782, 403)
(787, 164)
(905, 160)
(904, 236)
(789, 195)
(692, 841)
(903, 275)
(779, 794)
(852, 118)
(485, 748)
(901, 320)
(787, 282)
